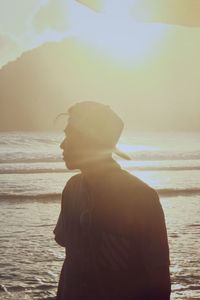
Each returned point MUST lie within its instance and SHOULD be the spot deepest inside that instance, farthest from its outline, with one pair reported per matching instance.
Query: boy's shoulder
(124, 182)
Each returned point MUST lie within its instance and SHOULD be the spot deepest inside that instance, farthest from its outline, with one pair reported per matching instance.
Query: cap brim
(121, 154)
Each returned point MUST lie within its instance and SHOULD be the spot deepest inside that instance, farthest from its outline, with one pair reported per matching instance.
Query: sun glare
(115, 33)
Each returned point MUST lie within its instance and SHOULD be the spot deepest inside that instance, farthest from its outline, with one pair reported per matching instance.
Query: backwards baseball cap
(98, 122)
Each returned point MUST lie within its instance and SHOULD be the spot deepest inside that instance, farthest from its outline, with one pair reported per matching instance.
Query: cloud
(16, 30)
(25, 25)
(97, 5)
(15, 16)
(52, 15)
(174, 12)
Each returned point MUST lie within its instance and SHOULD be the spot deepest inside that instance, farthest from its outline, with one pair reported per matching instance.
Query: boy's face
(77, 149)
(71, 146)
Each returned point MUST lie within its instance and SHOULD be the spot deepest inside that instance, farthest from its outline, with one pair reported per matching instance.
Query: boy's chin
(70, 165)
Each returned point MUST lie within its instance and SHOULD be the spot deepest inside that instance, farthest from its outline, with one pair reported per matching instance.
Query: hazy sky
(25, 24)
(152, 55)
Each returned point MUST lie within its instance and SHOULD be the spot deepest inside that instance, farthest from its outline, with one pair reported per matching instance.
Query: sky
(26, 24)
(134, 35)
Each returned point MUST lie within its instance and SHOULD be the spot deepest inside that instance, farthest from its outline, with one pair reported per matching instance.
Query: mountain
(45, 81)
(35, 87)
(159, 94)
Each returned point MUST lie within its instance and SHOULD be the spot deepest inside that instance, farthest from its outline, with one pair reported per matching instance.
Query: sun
(115, 33)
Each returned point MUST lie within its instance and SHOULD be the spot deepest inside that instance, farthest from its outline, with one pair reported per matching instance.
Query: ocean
(32, 176)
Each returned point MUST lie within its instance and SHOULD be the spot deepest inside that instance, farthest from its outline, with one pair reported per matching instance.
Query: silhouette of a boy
(111, 223)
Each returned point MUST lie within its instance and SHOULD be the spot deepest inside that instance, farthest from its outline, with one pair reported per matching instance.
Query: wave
(10, 160)
(64, 170)
(56, 196)
(178, 192)
(133, 158)
(21, 197)
(32, 171)
(165, 168)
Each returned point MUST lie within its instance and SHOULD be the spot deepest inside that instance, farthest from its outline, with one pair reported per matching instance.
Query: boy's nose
(62, 145)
